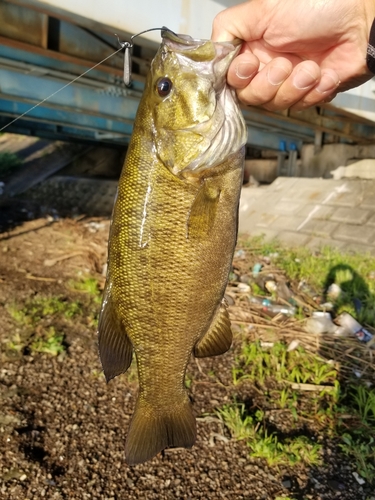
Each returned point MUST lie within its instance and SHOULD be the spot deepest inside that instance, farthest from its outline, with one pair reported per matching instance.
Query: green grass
(298, 366)
(8, 162)
(268, 445)
(38, 308)
(87, 285)
(50, 342)
(362, 450)
(345, 413)
(35, 316)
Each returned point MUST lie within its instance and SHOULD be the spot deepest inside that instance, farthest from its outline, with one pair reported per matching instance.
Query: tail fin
(152, 431)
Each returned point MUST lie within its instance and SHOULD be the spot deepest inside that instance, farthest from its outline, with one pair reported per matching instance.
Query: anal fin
(218, 338)
(115, 348)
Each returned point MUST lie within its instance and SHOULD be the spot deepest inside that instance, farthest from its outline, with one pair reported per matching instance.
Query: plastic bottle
(348, 323)
(272, 307)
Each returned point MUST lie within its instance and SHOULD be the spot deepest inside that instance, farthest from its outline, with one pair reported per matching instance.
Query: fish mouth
(218, 55)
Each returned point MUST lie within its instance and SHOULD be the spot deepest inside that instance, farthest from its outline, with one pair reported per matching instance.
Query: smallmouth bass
(172, 237)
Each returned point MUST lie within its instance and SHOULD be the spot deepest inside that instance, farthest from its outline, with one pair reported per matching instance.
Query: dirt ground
(63, 429)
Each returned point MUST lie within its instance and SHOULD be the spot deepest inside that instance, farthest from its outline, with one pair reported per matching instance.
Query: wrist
(370, 15)
(370, 57)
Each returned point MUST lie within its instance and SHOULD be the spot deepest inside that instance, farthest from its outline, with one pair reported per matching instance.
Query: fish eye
(164, 86)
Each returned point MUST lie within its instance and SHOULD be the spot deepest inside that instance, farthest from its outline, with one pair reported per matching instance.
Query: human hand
(296, 54)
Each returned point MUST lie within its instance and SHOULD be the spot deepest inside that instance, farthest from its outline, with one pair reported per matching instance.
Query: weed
(327, 408)
(288, 452)
(8, 162)
(264, 445)
(41, 307)
(50, 342)
(35, 316)
(257, 364)
(283, 401)
(364, 403)
(87, 285)
(363, 451)
(16, 343)
(239, 423)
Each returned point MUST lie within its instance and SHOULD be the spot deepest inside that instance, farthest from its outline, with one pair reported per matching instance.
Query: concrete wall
(330, 157)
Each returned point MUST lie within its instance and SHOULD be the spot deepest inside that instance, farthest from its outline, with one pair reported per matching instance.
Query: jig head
(127, 55)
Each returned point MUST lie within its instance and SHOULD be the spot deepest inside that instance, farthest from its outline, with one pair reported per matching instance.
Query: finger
(304, 77)
(324, 91)
(266, 83)
(231, 23)
(242, 70)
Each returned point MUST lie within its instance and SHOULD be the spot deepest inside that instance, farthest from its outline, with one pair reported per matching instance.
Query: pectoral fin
(115, 348)
(218, 338)
(203, 211)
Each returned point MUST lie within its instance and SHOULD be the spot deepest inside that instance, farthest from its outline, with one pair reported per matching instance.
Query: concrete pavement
(312, 212)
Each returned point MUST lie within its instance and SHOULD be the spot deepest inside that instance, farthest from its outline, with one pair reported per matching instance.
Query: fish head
(196, 117)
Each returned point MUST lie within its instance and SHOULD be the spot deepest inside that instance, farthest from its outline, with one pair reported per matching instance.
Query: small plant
(50, 342)
(8, 162)
(240, 425)
(87, 285)
(363, 451)
(41, 307)
(268, 446)
(288, 452)
(364, 403)
(257, 364)
(15, 343)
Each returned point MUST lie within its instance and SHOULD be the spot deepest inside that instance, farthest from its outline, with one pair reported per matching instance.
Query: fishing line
(59, 90)
(127, 71)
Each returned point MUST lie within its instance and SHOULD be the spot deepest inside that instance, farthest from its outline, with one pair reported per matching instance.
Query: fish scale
(172, 238)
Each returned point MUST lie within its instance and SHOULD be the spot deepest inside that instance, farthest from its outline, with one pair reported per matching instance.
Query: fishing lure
(127, 55)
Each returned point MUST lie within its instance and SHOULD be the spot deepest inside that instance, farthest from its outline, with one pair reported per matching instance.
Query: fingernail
(276, 75)
(245, 70)
(327, 83)
(303, 79)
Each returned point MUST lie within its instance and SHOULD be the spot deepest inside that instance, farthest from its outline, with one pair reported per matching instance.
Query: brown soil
(63, 429)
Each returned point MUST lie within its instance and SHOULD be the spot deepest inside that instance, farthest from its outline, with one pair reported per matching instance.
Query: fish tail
(152, 430)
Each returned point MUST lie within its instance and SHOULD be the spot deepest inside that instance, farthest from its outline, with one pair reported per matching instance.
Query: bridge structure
(45, 44)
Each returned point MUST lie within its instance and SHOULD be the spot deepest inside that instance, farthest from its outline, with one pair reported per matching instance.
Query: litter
(320, 322)
(334, 291)
(256, 269)
(271, 306)
(351, 326)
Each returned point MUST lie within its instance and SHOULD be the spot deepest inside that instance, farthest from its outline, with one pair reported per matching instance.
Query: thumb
(245, 21)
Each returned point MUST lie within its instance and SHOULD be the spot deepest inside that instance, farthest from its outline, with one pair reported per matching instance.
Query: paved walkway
(312, 212)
